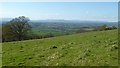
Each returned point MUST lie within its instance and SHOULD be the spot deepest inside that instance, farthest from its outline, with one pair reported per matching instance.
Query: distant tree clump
(114, 27)
(105, 27)
(16, 30)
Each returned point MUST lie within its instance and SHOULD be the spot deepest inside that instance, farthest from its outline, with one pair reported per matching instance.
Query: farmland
(65, 27)
(97, 48)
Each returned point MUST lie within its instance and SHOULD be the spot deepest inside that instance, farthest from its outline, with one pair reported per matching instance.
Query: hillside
(0, 46)
(0, 54)
(85, 49)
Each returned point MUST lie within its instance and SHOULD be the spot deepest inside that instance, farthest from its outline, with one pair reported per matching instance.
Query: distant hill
(69, 21)
(4, 20)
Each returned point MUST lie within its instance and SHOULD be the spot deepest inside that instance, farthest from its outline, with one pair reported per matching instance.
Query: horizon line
(62, 19)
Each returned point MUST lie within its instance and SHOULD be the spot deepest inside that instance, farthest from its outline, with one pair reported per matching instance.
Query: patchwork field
(97, 48)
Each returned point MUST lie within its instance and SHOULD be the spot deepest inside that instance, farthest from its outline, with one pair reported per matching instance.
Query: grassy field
(98, 48)
(0, 46)
(0, 55)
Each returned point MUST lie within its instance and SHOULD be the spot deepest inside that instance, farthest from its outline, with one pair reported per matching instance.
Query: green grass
(0, 46)
(54, 32)
(84, 49)
(0, 55)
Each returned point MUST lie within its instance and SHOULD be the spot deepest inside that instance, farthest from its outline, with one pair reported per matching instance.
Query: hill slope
(84, 49)
(0, 54)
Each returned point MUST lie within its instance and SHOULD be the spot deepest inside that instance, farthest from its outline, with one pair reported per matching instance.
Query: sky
(95, 11)
(59, 1)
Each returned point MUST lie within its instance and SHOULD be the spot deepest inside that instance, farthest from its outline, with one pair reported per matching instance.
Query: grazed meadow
(97, 48)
